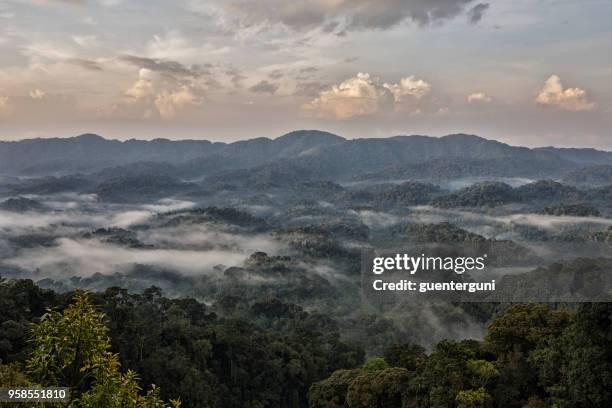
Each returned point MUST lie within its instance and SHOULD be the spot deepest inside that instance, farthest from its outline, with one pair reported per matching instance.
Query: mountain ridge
(326, 152)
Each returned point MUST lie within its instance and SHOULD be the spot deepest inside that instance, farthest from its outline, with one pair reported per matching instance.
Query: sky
(526, 72)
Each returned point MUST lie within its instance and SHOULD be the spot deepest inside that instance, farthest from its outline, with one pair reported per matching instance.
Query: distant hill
(454, 167)
(591, 156)
(88, 152)
(594, 175)
(20, 204)
(491, 194)
(305, 154)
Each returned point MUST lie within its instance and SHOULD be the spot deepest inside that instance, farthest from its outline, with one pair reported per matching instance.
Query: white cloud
(410, 87)
(143, 87)
(167, 102)
(37, 94)
(479, 97)
(356, 96)
(151, 89)
(85, 41)
(364, 95)
(570, 99)
(86, 257)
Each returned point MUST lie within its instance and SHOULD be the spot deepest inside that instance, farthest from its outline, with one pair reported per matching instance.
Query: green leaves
(72, 350)
(68, 344)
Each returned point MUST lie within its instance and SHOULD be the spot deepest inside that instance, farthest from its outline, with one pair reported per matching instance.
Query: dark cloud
(276, 74)
(235, 76)
(345, 15)
(212, 83)
(475, 14)
(264, 87)
(309, 89)
(166, 67)
(309, 69)
(330, 27)
(85, 64)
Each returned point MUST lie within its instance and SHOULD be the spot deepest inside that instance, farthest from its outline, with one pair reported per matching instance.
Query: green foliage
(439, 233)
(375, 364)
(68, 345)
(10, 374)
(383, 388)
(525, 326)
(446, 373)
(409, 356)
(72, 350)
(582, 358)
(478, 398)
(487, 194)
(485, 371)
(331, 392)
(406, 194)
(534, 356)
(576, 210)
(21, 302)
(273, 353)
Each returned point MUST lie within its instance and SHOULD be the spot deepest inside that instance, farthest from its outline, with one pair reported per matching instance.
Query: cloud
(264, 87)
(169, 204)
(167, 102)
(236, 76)
(86, 257)
(167, 67)
(430, 214)
(356, 96)
(309, 70)
(308, 89)
(143, 87)
(348, 14)
(475, 13)
(166, 96)
(37, 94)
(85, 41)
(479, 97)
(570, 99)
(206, 237)
(364, 95)
(85, 64)
(276, 74)
(408, 87)
(375, 219)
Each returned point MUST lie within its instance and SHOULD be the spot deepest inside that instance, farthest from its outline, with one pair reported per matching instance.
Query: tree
(588, 356)
(523, 332)
(446, 372)
(409, 356)
(473, 399)
(483, 371)
(331, 392)
(375, 364)
(386, 388)
(72, 350)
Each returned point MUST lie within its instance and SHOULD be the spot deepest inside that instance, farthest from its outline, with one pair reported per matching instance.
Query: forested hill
(333, 155)
(274, 354)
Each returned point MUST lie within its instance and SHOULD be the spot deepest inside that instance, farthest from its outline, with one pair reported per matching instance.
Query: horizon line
(135, 139)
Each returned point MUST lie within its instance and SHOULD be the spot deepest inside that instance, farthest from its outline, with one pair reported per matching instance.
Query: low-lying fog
(54, 241)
